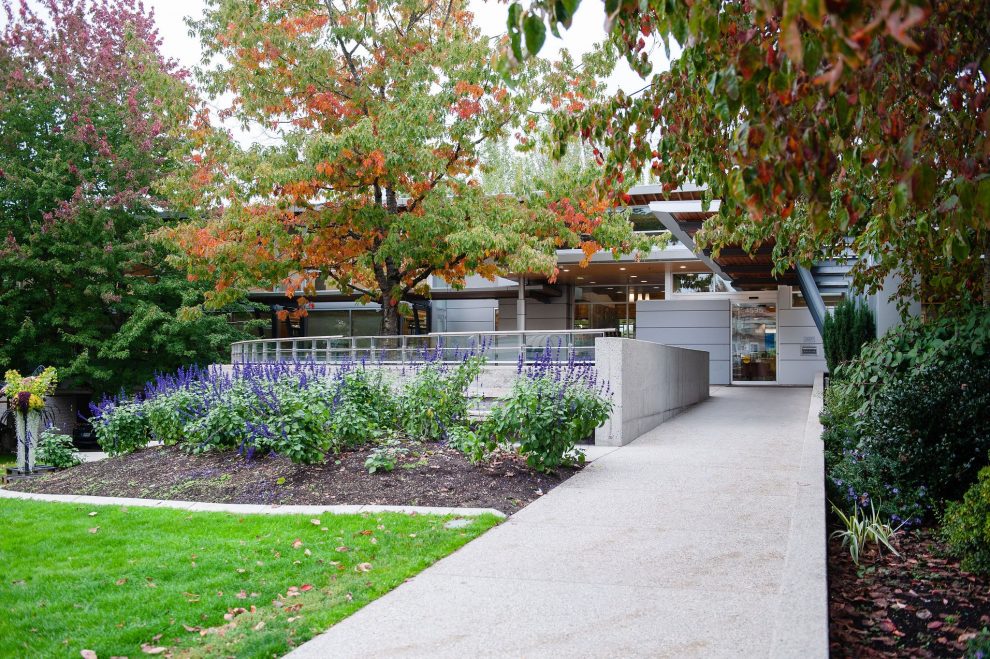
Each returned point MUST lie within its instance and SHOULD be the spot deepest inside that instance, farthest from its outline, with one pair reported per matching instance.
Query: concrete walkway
(703, 538)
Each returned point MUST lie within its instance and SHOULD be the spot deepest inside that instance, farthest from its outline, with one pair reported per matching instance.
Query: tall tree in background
(814, 121)
(90, 114)
(382, 107)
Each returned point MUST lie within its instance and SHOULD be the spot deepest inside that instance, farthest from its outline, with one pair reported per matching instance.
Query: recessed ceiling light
(621, 268)
(632, 276)
(565, 269)
(580, 277)
(683, 267)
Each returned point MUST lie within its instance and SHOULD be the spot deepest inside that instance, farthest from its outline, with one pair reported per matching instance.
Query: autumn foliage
(381, 109)
(815, 122)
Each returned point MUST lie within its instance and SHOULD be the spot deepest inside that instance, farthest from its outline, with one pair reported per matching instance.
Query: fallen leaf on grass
(233, 613)
(297, 544)
(362, 567)
(241, 595)
(191, 597)
(87, 654)
(305, 587)
(315, 522)
(120, 582)
(93, 514)
(259, 626)
(190, 628)
(152, 649)
(342, 549)
(94, 529)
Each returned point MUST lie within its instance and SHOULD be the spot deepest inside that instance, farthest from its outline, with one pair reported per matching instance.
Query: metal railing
(498, 347)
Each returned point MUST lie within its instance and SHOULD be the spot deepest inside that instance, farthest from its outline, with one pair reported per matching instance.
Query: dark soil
(920, 604)
(430, 475)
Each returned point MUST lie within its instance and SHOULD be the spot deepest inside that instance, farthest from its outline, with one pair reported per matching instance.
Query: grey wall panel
(681, 318)
(796, 318)
(794, 372)
(687, 336)
(683, 305)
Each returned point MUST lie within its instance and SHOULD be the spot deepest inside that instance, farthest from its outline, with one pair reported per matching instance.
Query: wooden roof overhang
(746, 271)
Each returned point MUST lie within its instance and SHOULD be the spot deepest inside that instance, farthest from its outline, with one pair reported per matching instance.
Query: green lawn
(131, 577)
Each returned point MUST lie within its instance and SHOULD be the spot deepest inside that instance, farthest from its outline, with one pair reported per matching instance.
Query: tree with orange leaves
(382, 107)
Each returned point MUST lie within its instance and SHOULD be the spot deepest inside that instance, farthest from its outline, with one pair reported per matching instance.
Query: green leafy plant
(468, 442)
(551, 408)
(385, 457)
(435, 399)
(914, 344)
(979, 647)
(364, 408)
(846, 330)
(57, 450)
(966, 526)
(122, 429)
(862, 529)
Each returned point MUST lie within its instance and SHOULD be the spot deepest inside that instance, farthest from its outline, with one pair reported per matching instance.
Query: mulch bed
(430, 475)
(920, 604)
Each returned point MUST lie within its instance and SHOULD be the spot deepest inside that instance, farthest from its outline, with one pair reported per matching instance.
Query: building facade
(758, 326)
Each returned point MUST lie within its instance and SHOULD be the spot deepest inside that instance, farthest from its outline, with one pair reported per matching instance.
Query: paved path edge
(802, 607)
(246, 508)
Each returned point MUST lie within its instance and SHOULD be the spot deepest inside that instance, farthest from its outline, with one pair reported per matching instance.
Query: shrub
(845, 331)
(913, 345)
(435, 399)
(121, 427)
(966, 526)
(907, 421)
(363, 408)
(167, 415)
(920, 442)
(551, 408)
(57, 450)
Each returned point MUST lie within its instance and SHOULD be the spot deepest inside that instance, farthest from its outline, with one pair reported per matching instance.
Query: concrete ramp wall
(652, 383)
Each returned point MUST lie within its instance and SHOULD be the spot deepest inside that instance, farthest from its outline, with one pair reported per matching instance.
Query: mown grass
(125, 581)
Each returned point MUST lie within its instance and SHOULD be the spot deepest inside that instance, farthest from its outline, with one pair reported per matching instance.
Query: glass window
(600, 293)
(328, 323)
(830, 300)
(366, 323)
(698, 282)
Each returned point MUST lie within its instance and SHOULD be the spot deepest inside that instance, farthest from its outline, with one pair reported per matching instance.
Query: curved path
(705, 537)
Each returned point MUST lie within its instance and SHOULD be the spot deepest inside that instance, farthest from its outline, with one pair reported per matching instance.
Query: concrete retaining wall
(652, 383)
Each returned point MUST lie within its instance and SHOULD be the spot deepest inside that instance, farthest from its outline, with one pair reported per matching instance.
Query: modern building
(758, 327)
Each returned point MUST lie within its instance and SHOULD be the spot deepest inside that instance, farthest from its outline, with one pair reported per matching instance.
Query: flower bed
(353, 433)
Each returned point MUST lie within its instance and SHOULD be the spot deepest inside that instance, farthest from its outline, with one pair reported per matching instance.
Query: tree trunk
(390, 318)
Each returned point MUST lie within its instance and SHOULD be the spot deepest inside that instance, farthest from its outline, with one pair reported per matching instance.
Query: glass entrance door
(754, 342)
